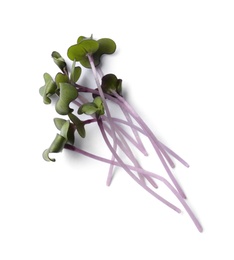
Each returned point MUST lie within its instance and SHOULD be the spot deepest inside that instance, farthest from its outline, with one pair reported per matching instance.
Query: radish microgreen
(120, 135)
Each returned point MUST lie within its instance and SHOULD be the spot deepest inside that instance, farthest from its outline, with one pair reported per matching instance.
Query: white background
(176, 59)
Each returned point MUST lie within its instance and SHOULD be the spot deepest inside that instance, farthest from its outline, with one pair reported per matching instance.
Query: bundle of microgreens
(66, 90)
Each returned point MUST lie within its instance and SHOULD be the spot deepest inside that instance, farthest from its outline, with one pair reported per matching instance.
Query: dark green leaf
(61, 78)
(88, 109)
(67, 131)
(76, 52)
(92, 107)
(59, 61)
(75, 72)
(81, 38)
(68, 93)
(106, 46)
(48, 89)
(91, 46)
(78, 124)
(111, 83)
(56, 147)
(66, 128)
(79, 51)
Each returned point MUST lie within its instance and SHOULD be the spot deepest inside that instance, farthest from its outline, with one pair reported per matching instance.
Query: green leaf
(66, 128)
(68, 93)
(106, 46)
(80, 50)
(61, 78)
(78, 124)
(59, 122)
(76, 52)
(56, 147)
(75, 72)
(48, 89)
(92, 107)
(88, 109)
(59, 61)
(81, 38)
(67, 131)
(111, 83)
(90, 45)
(98, 102)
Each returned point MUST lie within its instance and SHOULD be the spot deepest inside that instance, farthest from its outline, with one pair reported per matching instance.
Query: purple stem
(120, 129)
(129, 119)
(88, 121)
(126, 149)
(89, 90)
(176, 156)
(146, 173)
(153, 140)
(127, 169)
(156, 144)
(109, 118)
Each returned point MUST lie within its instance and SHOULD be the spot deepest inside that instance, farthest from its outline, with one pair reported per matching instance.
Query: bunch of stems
(116, 137)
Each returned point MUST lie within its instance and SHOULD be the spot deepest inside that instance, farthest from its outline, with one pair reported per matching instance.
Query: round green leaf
(111, 83)
(76, 52)
(80, 50)
(106, 46)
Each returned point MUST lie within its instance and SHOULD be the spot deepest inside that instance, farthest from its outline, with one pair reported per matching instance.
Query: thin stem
(111, 168)
(146, 173)
(172, 153)
(120, 129)
(138, 139)
(128, 152)
(176, 156)
(109, 118)
(127, 169)
(153, 140)
(93, 91)
(156, 144)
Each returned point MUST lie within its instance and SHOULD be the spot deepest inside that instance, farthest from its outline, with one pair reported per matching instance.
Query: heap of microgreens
(67, 91)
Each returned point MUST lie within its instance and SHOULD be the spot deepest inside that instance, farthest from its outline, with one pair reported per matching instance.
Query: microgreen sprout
(118, 134)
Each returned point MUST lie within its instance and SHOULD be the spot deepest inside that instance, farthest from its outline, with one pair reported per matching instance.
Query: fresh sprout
(121, 135)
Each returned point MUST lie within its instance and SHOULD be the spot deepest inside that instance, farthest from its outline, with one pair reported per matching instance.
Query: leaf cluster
(65, 89)
(89, 46)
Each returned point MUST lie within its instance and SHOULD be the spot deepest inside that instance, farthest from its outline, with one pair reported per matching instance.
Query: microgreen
(122, 136)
